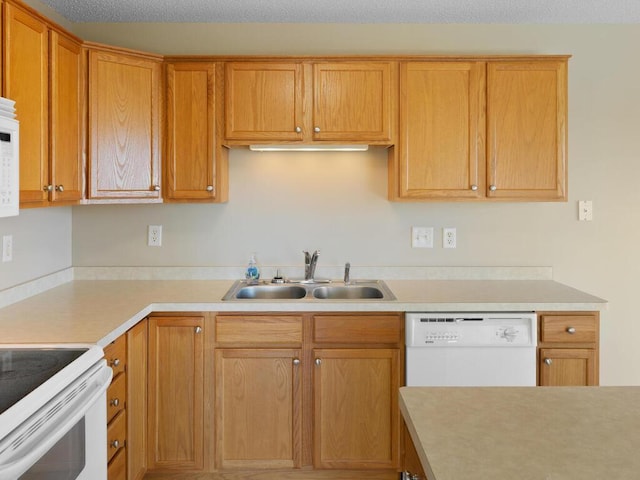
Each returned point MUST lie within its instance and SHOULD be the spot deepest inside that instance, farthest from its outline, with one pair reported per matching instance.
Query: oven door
(66, 439)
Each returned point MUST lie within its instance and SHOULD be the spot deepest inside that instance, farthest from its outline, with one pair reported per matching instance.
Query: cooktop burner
(23, 370)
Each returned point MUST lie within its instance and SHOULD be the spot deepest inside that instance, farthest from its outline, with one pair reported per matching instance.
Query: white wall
(41, 244)
(283, 203)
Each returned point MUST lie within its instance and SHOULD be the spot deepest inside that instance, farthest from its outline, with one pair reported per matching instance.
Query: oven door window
(65, 460)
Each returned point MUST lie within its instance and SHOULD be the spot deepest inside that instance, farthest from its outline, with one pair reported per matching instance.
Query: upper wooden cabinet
(527, 129)
(195, 163)
(449, 149)
(442, 129)
(43, 73)
(124, 125)
(348, 102)
(68, 86)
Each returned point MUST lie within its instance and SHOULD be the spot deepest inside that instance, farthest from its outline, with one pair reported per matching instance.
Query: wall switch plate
(7, 248)
(585, 210)
(449, 237)
(154, 236)
(422, 237)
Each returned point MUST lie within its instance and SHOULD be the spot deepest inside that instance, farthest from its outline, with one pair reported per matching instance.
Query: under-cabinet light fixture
(308, 148)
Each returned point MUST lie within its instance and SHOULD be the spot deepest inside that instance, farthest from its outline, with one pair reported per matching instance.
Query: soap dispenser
(253, 271)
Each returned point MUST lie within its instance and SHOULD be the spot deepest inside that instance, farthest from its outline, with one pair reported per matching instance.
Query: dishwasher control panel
(470, 329)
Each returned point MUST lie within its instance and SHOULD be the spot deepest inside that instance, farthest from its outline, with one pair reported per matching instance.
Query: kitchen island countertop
(525, 433)
(98, 311)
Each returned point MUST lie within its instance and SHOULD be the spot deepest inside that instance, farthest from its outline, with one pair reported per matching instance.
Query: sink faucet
(347, 278)
(310, 261)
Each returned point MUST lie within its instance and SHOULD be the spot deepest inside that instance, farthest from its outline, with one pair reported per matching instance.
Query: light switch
(585, 210)
(422, 237)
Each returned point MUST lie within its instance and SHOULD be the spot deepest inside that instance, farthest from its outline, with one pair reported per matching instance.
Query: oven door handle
(23, 447)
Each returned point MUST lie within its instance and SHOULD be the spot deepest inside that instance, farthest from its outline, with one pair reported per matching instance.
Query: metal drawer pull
(59, 188)
(298, 130)
(115, 362)
(296, 361)
(571, 330)
(115, 444)
(198, 330)
(548, 361)
(318, 362)
(115, 402)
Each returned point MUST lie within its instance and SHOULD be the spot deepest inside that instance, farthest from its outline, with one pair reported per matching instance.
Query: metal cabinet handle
(548, 361)
(47, 188)
(115, 402)
(156, 188)
(316, 129)
(571, 330)
(59, 188)
(296, 361)
(411, 476)
(198, 329)
(209, 188)
(298, 130)
(493, 188)
(318, 361)
(474, 187)
(115, 444)
(115, 362)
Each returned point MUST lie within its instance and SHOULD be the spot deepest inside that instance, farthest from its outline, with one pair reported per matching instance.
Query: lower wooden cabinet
(568, 348)
(355, 408)
(258, 408)
(308, 391)
(411, 464)
(137, 401)
(176, 382)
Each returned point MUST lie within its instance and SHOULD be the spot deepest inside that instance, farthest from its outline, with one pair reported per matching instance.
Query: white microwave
(9, 165)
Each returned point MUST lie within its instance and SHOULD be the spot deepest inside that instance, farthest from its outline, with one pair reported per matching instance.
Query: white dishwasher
(471, 349)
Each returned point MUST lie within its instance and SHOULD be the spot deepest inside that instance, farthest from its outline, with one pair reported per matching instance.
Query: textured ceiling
(351, 11)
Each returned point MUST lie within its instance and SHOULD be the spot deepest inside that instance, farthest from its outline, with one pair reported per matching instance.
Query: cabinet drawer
(116, 395)
(259, 329)
(116, 355)
(357, 329)
(117, 469)
(116, 434)
(568, 328)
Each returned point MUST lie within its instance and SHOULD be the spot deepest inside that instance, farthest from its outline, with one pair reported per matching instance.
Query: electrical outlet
(449, 237)
(422, 237)
(7, 248)
(154, 236)
(585, 210)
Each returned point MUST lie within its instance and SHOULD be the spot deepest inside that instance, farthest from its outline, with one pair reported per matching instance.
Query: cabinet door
(258, 408)
(567, 367)
(66, 128)
(264, 101)
(353, 101)
(137, 347)
(355, 408)
(410, 460)
(527, 129)
(442, 125)
(26, 81)
(176, 382)
(124, 121)
(191, 136)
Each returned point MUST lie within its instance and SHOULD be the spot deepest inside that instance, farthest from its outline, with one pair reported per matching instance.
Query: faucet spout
(310, 262)
(347, 277)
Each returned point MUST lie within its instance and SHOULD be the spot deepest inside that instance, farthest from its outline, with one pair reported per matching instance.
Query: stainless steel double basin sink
(357, 290)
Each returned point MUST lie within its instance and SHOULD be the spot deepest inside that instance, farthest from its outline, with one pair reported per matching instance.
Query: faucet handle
(347, 268)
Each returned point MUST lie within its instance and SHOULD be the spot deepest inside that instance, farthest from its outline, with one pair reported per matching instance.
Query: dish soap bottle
(253, 272)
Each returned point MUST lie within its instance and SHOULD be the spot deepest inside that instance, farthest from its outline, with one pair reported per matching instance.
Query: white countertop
(525, 433)
(98, 311)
